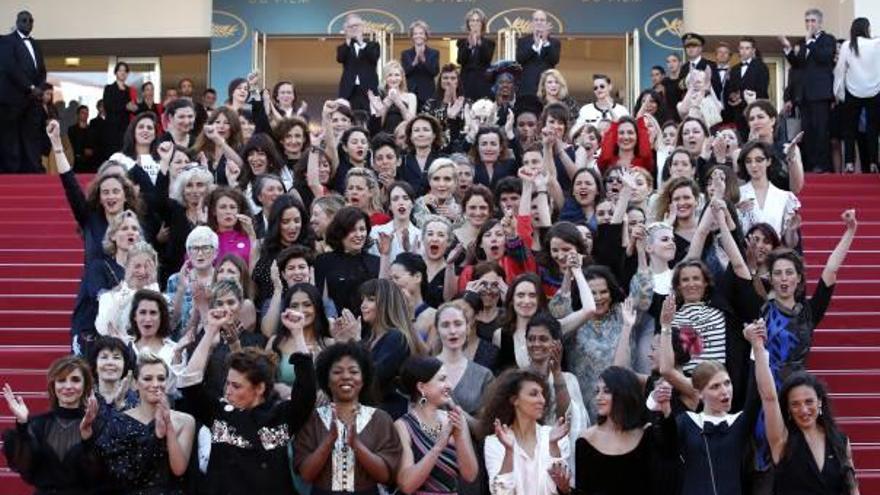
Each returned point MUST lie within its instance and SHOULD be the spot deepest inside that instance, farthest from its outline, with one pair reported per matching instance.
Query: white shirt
(29, 45)
(744, 66)
(779, 207)
(358, 46)
(591, 114)
(858, 74)
(529, 475)
(415, 236)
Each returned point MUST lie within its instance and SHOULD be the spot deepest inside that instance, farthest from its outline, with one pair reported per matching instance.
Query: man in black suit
(22, 73)
(693, 50)
(814, 55)
(748, 80)
(421, 63)
(358, 59)
(536, 53)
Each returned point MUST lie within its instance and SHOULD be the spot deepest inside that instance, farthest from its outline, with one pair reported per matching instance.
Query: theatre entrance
(310, 62)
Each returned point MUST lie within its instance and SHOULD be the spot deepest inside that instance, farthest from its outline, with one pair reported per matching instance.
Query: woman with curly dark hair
(347, 445)
(522, 455)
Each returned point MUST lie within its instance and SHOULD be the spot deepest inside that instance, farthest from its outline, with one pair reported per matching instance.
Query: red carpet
(41, 261)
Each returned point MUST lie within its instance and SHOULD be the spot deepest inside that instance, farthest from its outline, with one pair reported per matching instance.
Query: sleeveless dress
(798, 474)
(444, 475)
(135, 459)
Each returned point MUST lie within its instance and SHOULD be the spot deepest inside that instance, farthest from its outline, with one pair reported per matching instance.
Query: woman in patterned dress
(436, 444)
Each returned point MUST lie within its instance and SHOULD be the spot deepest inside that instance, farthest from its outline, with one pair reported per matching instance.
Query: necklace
(433, 432)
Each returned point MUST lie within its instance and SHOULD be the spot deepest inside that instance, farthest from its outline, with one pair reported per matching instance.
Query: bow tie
(27, 38)
(746, 64)
(712, 429)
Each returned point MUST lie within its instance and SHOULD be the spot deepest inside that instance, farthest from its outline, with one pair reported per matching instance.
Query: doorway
(310, 62)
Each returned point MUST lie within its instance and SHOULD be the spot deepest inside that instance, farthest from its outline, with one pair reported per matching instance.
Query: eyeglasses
(601, 86)
(194, 166)
(203, 249)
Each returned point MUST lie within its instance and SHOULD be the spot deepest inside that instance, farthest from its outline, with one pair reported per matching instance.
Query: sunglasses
(600, 86)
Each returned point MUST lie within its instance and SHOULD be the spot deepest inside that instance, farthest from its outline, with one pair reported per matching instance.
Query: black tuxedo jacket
(473, 65)
(358, 65)
(817, 67)
(534, 63)
(420, 77)
(756, 78)
(17, 70)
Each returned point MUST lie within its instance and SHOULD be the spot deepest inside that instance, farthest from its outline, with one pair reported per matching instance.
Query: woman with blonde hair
(552, 88)
(440, 200)
(394, 104)
(362, 191)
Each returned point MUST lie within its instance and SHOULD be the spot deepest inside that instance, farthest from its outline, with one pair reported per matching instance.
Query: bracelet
(537, 193)
(58, 150)
(665, 331)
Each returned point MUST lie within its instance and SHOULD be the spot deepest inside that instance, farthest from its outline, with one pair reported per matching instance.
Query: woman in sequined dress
(347, 446)
(250, 428)
(145, 450)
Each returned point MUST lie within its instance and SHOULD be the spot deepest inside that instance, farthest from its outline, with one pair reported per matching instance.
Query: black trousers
(816, 145)
(851, 112)
(21, 139)
(359, 99)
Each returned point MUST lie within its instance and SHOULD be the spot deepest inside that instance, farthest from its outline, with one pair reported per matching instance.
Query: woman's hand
(454, 110)
(233, 172)
(756, 333)
(346, 327)
(53, 130)
(561, 476)
(508, 224)
(628, 313)
(16, 405)
(294, 321)
(275, 277)
(253, 79)
(667, 313)
(85, 426)
(560, 430)
(457, 419)
(555, 362)
(384, 244)
(662, 395)
(505, 435)
(849, 219)
(247, 224)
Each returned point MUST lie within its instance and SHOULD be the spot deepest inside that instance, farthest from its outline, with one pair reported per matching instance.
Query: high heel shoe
(849, 168)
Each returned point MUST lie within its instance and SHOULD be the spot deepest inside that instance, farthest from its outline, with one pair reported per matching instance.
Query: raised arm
(829, 273)
(623, 352)
(304, 393)
(795, 164)
(666, 356)
(273, 312)
(575, 319)
(777, 434)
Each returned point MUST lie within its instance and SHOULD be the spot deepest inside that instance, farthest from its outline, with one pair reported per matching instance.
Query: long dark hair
(321, 324)
(508, 322)
(860, 27)
(129, 147)
(825, 419)
(627, 405)
(564, 231)
(272, 242)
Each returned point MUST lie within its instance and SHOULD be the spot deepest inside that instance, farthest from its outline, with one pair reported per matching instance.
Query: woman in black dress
(120, 104)
(341, 271)
(811, 455)
(47, 450)
(475, 55)
(146, 449)
(251, 430)
(619, 455)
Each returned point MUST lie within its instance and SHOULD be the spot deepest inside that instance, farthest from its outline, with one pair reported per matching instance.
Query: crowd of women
(435, 303)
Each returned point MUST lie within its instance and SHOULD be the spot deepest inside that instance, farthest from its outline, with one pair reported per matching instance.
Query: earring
(820, 410)
(422, 401)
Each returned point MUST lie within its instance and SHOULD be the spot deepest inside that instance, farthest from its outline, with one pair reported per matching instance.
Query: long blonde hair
(563, 84)
(394, 65)
(392, 312)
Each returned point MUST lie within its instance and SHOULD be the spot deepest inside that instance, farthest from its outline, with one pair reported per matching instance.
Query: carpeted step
(828, 357)
(847, 337)
(39, 285)
(850, 381)
(34, 336)
(37, 302)
(41, 270)
(31, 356)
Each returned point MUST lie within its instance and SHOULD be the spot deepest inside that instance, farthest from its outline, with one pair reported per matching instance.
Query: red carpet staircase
(41, 262)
